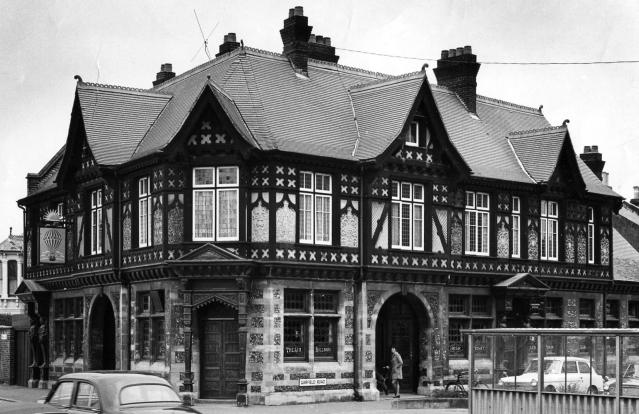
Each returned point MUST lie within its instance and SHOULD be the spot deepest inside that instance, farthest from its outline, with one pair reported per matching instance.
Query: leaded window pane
(228, 213)
(203, 214)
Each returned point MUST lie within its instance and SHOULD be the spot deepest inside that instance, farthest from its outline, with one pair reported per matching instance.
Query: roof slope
(539, 150)
(625, 240)
(116, 119)
(390, 100)
(12, 243)
(322, 114)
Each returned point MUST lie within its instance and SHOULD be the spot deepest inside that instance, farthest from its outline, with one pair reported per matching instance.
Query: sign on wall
(52, 245)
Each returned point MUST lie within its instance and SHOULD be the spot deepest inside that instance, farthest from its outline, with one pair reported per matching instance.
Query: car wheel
(593, 390)
(550, 388)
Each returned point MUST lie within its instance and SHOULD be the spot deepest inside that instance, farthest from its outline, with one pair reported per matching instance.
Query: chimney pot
(10, 231)
(444, 54)
(468, 50)
(319, 39)
(327, 41)
(311, 39)
(593, 159)
(232, 37)
(451, 53)
(594, 148)
(605, 178)
(460, 51)
(636, 191)
(299, 11)
(165, 73)
(291, 12)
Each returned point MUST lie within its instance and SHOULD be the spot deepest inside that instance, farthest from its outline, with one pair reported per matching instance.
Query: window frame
(413, 204)
(77, 393)
(144, 212)
(307, 316)
(549, 220)
(590, 237)
(97, 222)
(150, 317)
(215, 188)
(475, 210)
(413, 141)
(312, 195)
(12, 277)
(516, 228)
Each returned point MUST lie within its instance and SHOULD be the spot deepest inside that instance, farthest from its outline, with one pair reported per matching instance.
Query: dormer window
(413, 135)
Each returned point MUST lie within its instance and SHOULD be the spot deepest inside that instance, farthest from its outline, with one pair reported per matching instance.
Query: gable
(214, 126)
(566, 174)
(522, 281)
(209, 252)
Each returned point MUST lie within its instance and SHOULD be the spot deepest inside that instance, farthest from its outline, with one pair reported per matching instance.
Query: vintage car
(561, 374)
(629, 381)
(113, 392)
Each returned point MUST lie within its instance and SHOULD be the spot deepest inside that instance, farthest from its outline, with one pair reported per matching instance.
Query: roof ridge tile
(389, 79)
(121, 88)
(197, 69)
(488, 99)
(536, 131)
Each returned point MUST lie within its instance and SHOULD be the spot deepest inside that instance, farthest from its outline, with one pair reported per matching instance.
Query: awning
(30, 290)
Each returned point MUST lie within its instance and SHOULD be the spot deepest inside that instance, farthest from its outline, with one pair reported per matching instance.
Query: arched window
(12, 274)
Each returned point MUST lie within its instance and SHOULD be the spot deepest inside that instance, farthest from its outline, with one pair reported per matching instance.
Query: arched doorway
(402, 321)
(102, 335)
(220, 356)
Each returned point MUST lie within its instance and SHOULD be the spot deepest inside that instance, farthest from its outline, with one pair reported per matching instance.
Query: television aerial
(205, 43)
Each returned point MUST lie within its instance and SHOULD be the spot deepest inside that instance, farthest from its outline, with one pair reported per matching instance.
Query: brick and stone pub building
(266, 225)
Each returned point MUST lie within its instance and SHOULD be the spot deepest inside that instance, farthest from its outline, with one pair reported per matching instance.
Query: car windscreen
(532, 366)
(148, 393)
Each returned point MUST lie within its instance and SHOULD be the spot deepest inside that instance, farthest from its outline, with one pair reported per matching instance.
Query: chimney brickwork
(165, 73)
(635, 196)
(593, 159)
(457, 70)
(229, 45)
(295, 35)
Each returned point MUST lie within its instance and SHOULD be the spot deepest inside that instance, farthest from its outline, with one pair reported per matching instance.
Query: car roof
(121, 378)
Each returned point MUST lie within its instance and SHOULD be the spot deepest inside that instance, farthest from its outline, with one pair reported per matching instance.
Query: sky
(43, 44)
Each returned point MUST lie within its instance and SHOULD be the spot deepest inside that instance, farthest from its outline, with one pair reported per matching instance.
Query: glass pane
(418, 192)
(306, 217)
(294, 300)
(418, 230)
(306, 180)
(406, 224)
(395, 189)
(227, 175)
(228, 213)
(395, 227)
(87, 396)
(629, 381)
(294, 338)
(324, 336)
(483, 356)
(62, 394)
(406, 191)
(203, 176)
(325, 302)
(203, 213)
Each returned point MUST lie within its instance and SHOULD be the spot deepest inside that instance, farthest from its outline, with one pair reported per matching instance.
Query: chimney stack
(457, 70)
(635, 199)
(229, 45)
(593, 160)
(165, 73)
(320, 49)
(295, 36)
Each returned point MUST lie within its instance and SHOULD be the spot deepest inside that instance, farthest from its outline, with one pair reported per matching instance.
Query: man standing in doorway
(396, 370)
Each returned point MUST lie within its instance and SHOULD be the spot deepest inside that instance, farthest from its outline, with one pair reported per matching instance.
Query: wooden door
(23, 358)
(220, 354)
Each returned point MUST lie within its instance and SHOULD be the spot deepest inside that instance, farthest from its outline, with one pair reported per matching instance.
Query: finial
(78, 78)
(424, 66)
(541, 107)
(566, 121)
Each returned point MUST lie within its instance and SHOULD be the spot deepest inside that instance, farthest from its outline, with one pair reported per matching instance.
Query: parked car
(114, 392)
(561, 374)
(629, 381)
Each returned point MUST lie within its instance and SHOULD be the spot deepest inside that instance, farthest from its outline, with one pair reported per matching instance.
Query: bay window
(96, 222)
(476, 217)
(315, 208)
(549, 230)
(407, 216)
(144, 213)
(215, 203)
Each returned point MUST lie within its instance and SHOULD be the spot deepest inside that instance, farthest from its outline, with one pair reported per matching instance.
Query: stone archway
(403, 320)
(102, 335)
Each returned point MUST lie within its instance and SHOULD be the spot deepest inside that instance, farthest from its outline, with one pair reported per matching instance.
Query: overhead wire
(593, 62)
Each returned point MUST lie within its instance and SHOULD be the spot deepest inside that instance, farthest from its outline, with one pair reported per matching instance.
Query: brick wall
(7, 352)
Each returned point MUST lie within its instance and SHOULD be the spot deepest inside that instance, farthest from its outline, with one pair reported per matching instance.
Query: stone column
(243, 332)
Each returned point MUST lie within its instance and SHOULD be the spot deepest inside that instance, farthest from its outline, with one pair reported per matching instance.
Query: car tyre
(550, 388)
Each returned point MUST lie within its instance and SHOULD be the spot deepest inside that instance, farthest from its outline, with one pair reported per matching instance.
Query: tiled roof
(47, 175)
(326, 113)
(538, 150)
(116, 119)
(625, 239)
(12, 243)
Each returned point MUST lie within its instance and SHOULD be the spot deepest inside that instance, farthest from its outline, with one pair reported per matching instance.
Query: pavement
(22, 400)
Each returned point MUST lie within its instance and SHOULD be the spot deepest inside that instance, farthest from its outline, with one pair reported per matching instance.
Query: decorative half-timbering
(285, 218)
